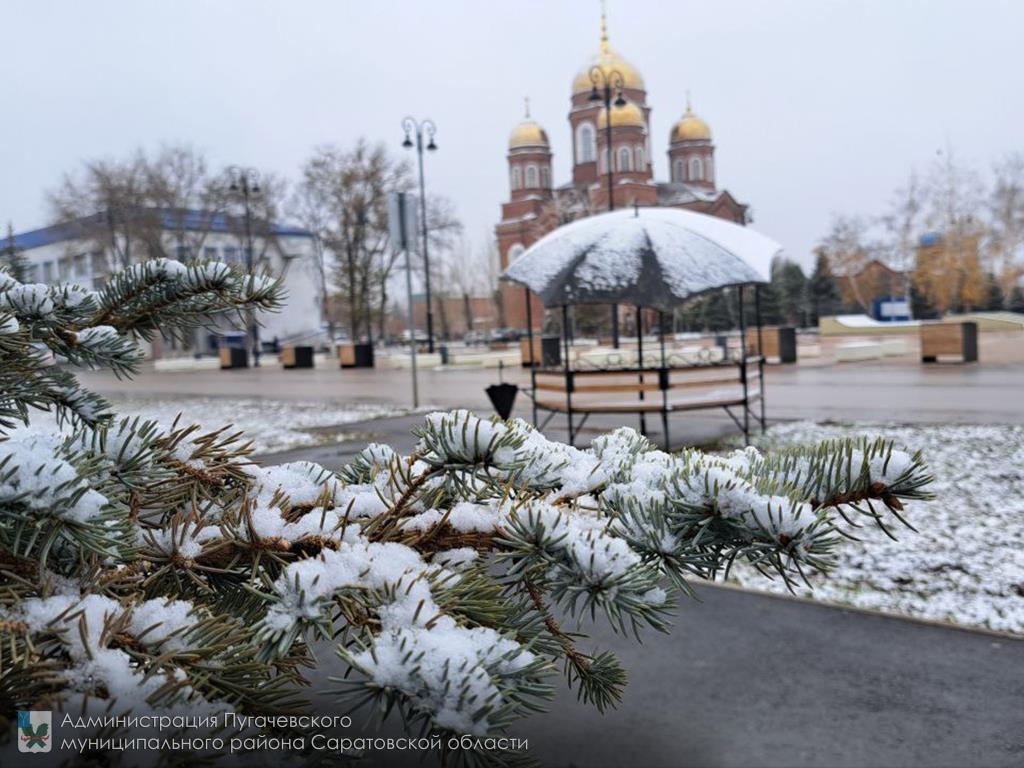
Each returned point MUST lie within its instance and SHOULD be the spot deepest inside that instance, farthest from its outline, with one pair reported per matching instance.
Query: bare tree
(305, 205)
(902, 223)
(442, 224)
(954, 192)
(490, 267)
(108, 202)
(348, 190)
(135, 208)
(848, 253)
(444, 232)
(1006, 211)
(471, 270)
(191, 197)
(265, 209)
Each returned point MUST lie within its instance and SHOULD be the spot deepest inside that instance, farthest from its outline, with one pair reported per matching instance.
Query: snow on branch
(443, 579)
(44, 328)
(147, 568)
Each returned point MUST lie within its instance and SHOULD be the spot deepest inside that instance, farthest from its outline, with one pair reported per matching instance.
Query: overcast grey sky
(815, 106)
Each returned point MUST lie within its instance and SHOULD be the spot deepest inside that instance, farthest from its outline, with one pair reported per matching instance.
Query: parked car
(475, 337)
(506, 334)
(421, 336)
(322, 340)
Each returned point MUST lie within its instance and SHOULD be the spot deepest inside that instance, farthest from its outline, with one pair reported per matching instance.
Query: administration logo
(35, 731)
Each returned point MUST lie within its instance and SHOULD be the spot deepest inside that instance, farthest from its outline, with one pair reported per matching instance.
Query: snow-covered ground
(272, 425)
(965, 564)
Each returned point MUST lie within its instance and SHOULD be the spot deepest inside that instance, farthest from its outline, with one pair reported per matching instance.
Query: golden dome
(628, 115)
(610, 62)
(690, 128)
(528, 134)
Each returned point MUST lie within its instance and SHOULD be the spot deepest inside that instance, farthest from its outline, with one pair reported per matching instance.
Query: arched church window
(515, 252)
(545, 177)
(639, 152)
(679, 173)
(709, 169)
(531, 177)
(517, 177)
(696, 169)
(624, 159)
(586, 146)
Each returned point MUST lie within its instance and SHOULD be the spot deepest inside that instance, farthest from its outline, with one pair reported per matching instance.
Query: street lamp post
(604, 82)
(246, 183)
(417, 127)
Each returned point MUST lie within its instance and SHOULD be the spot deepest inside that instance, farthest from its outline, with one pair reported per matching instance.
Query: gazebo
(655, 259)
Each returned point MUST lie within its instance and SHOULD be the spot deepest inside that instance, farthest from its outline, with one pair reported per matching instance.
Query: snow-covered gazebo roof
(650, 257)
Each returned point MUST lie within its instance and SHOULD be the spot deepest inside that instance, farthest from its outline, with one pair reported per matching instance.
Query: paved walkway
(745, 678)
(986, 393)
(752, 680)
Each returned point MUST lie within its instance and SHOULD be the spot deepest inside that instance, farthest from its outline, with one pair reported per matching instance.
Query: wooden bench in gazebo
(662, 391)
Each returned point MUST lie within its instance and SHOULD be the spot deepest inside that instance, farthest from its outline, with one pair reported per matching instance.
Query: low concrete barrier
(853, 351)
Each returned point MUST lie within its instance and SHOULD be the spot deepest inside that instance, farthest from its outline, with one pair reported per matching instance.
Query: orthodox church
(535, 206)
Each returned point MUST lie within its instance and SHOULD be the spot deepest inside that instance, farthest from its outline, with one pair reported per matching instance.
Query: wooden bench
(650, 391)
(949, 340)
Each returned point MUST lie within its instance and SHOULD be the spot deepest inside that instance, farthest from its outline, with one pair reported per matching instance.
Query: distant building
(87, 251)
(454, 316)
(535, 207)
(870, 287)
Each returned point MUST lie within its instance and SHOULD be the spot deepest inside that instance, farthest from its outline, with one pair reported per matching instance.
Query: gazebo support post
(743, 368)
(663, 379)
(615, 326)
(760, 351)
(533, 360)
(568, 372)
(640, 363)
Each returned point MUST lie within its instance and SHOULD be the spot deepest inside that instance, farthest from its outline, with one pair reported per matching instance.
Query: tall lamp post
(604, 82)
(245, 182)
(419, 127)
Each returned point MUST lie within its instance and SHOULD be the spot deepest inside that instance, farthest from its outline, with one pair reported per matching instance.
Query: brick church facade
(536, 207)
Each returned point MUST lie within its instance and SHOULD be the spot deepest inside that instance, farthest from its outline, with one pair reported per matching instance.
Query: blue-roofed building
(88, 250)
(187, 220)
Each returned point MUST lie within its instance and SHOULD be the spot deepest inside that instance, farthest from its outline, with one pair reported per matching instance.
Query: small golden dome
(610, 62)
(690, 128)
(528, 134)
(628, 115)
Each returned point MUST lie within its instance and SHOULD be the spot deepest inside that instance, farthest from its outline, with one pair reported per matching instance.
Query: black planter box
(356, 355)
(779, 343)
(787, 345)
(949, 340)
(233, 357)
(297, 357)
(547, 350)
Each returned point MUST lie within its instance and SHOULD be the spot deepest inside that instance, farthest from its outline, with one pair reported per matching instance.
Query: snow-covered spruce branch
(150, 568)
(166, 568)
(45, 328)
(139, 298)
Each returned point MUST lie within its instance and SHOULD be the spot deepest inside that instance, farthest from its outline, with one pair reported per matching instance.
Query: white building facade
(73, 253)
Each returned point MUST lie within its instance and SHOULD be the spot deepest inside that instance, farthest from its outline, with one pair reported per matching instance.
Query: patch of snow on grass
(272, 425)
(965, 564)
